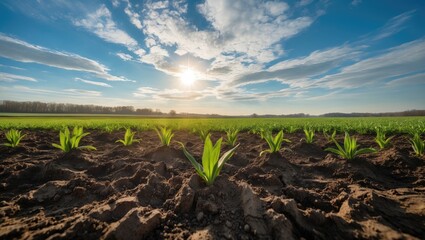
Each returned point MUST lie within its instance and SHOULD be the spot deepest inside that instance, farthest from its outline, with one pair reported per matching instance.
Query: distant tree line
(41, 107)
(409, 113)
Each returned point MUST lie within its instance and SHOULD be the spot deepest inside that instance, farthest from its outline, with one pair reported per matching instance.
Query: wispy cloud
(124, 56)
(298, 72)
(100, 23)
(134, 17)
(7, 77)
(115, 3)
(42, 91)
(394, 25)
(356, 2)
(21, 51)
(49, 10)
(408, 80)
(101, 84)
(12, 67)
(397, 62)
(171, 94)
(83, 92)
(304, 2)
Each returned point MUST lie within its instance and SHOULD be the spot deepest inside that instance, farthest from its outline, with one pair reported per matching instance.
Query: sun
(188, 77)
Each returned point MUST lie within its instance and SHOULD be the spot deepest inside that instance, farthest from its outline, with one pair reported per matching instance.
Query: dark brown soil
(150, 192)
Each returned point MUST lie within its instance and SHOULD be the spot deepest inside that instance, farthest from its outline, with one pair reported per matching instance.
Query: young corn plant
(232, 137)
(211, 163)
(128, 138)
(418, 144)
(382, 140)
(330, 137)
(13, 138)
(108, 129)
(165, 135)
(69, 141)
(309, 135)
(275, 143)
(350, 150)
(292, 129)
(203, 134)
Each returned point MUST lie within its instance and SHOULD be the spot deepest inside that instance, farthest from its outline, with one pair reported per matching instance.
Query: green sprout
(232, 137)
(275, 143)
(418, 144)
(70, 141)
(309, 135)
(13, 137)
(128, 138)
(382, 140)
(211, 163)
(328, 137)
(165, 135)
(350, 150)
(203, 134)
(292, 129)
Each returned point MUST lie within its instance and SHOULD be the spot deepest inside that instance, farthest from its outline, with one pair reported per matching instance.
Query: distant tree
(172, 113)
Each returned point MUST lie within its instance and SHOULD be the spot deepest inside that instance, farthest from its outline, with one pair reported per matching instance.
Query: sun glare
(188, 77)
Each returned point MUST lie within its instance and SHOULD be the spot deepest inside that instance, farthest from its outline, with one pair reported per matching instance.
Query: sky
(231, 57)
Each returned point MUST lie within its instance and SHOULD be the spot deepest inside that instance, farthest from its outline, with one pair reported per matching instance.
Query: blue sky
(216, 56)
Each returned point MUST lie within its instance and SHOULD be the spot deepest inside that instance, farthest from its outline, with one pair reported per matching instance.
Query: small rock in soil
(200, 216)
(246, 228)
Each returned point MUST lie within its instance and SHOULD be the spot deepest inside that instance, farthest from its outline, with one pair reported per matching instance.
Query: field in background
(111, 123)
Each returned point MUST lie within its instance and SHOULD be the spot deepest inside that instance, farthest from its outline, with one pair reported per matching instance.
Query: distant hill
(7, 106)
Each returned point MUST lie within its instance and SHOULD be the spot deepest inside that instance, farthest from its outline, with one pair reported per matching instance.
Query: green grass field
(110, 123)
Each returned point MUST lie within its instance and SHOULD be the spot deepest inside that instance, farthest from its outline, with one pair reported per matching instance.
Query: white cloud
(398, 61)
(67, 92)
(49, 10)
(12, 67)
(100, 23)
(21, 51)
(101, 84)
(83, 92)
(298, 72)
(124, 56)
(243, 34)
(115, 3)
(394, 25)
(134, 17)
(251, 27)
(7, 77)
(306, 2)
(408, 80)
(172, 94)
(356, 2)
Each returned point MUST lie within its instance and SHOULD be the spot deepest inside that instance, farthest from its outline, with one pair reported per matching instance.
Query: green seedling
(232, 137)
(70, 141)
(292, 129)
(128, 138)
(165, 135)
(211, 163)
(328, 137)
(275, 143)
(350, 150)
(309, 135)
(382, 140)
(108, 129)
(418, 144)
(13, 138)
(203, 134)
